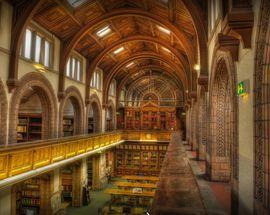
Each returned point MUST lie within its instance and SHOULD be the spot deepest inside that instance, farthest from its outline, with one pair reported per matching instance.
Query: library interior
(142, 107)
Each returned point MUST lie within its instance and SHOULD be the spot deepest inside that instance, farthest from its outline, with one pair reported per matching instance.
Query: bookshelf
(133, 158)
(29, 127)
(68, 126)
(28, 197)
(90, 125)
(67, 185)
(150, 118)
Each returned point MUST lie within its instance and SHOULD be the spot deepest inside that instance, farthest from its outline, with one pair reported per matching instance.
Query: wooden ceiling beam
(141, 55)
(71, 15)
(69, 45)
(172, 10)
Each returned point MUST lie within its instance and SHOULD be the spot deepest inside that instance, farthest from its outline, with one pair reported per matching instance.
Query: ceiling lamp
(130, 64)
(164, 30)
(197, 67)
(118, 50)
(104, 31)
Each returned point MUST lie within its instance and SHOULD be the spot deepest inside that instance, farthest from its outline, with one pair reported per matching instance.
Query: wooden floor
(177, 191)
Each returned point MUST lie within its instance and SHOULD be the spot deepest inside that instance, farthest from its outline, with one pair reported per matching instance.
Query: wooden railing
(21, 158)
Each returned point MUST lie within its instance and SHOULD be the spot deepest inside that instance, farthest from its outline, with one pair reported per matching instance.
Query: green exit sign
(243, 88)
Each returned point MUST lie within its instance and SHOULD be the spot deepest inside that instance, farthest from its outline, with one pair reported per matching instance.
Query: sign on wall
(243, 88)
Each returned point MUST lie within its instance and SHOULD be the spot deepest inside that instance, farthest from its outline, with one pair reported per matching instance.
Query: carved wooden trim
(239, 23)
(203, 82)
(141, 55)
(228, 44)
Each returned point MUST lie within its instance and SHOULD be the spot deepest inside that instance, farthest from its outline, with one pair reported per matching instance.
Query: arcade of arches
(134, 107)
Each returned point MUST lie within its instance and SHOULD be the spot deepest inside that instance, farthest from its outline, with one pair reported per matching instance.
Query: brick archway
(3, 114)
(95, 105)
(74, 95)
(222, 151)
(44, 90)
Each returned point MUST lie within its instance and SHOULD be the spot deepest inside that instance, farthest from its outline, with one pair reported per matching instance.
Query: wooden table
(141, 178)
(129, 193)
(130, 184)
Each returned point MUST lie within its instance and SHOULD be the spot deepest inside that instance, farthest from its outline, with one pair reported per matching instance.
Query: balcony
(20, 161)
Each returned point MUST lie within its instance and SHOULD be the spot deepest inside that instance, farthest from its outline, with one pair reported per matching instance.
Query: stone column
(99, 171)
(5, 201)
(45, 194)
(77, 185)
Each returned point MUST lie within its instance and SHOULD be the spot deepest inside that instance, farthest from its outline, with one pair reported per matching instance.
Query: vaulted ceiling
(161, 35)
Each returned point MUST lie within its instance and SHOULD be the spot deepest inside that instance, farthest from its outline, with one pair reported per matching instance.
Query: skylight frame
(117, 51)
(104, 31)
(76, 3)
(164, 30)
(130, 64)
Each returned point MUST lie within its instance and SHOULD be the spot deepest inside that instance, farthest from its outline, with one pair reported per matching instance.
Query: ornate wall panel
(202, 127)
(262, 112)
(223, 152)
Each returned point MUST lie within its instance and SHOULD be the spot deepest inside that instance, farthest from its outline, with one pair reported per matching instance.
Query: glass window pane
(78, 70)
(73, 67)
(95, 79)
(27, 44)
(91, 84)
(68, 68)
(37, 48)
(47, 54)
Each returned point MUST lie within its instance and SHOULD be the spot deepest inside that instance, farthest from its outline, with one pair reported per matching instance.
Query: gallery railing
(21, 158)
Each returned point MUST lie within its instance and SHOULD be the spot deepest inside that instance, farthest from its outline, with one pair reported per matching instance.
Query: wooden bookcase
(133, 158)
(90, 125)
(66, 184)
(68, 126)
(28, 197)
(150, 118)
(29, 127)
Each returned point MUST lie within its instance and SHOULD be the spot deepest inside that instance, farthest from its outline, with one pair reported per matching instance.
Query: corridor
(134, 107)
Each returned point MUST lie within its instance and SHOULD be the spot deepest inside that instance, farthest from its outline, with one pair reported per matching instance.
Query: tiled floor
(217, 196)
(98, 199)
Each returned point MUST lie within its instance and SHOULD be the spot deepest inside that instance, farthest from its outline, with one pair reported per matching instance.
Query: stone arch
(95, 106)
(110, 111)
(74, 95)
(41, 85)
(3, 114)
(222, 163)
(262, 112)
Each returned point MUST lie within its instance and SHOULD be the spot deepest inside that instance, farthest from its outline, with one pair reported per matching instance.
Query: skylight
(104, 31)
(119, 50)
(165, 49)
(130, 64)
(164, 30)
(76, 3)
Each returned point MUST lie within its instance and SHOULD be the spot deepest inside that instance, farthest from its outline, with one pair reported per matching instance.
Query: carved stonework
(261, 123)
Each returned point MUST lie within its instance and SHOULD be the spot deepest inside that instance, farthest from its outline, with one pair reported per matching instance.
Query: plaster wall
(245, 71)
